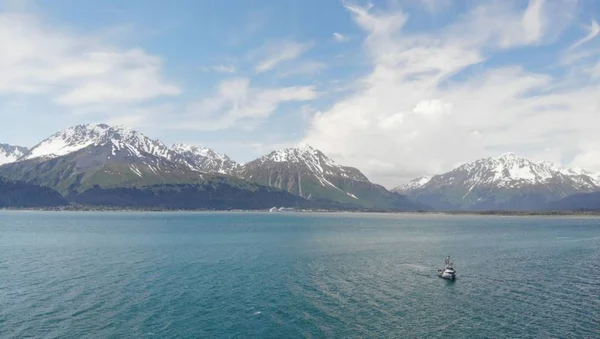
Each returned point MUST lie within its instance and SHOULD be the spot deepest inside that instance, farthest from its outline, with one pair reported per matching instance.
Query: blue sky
(397, 88)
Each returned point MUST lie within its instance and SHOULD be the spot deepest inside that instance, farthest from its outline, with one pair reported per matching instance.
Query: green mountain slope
(24, 195)
(576, 202)
(309, 173)
(219, 194)
(102, 165)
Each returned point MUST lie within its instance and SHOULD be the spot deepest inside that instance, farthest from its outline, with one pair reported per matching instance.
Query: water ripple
(112, 275)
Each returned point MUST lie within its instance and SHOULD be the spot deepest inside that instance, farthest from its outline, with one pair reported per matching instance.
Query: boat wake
(418, 267)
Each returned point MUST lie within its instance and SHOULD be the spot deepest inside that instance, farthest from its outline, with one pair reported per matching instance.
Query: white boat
(448, 272)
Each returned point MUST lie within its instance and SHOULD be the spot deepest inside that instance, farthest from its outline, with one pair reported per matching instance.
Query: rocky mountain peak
(316, 161)
(511, 170)
(506, 181)
(417, 182)
(202, 151)
(204, 159)
(10, 153)
(300, 153)
(79, 137)
(309, 173)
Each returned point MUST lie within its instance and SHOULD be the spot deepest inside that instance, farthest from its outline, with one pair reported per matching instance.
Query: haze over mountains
(98, 164)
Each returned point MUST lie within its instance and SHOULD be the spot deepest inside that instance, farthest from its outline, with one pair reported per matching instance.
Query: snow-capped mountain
(307, 172)
(86, 155)
(413, 184)
(9, 153)
(116, 166)
(134, 143)
(504, 182)
(317, 163)
(81, 136)
(204, 159)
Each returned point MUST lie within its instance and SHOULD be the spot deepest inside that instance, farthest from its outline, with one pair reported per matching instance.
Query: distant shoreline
(424, 213)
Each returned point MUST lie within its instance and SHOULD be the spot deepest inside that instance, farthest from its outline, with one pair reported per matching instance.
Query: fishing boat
(448, 272)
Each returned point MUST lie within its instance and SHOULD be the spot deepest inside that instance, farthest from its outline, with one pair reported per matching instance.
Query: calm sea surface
(287, 275)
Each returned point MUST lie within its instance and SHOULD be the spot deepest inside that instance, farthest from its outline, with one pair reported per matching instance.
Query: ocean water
(288, 275)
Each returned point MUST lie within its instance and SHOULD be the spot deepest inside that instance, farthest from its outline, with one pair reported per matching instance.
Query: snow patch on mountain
(415, 183)
(126, 142)
(9, 153)
(204, 159)
(79, 137)
(300, 153)
(508, 171)
(319, 163)
(506, 182)
(70, 140)
(308, 161)
(352, 195)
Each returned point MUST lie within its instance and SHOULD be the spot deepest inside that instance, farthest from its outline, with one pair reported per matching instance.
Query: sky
(396, 88)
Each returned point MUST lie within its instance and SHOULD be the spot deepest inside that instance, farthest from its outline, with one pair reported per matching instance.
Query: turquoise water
(280, 275)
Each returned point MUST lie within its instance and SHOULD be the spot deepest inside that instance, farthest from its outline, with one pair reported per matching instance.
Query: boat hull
(447, 275)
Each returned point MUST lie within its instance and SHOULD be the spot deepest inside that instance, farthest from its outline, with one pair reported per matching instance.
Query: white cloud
(502, 24)
(281, 52)
(589, 154)
(432, 109)
(339, 37)
(583, 55)
(237, 102)
(533, 21)
(409, 117)
(593, 32)
(72, 68)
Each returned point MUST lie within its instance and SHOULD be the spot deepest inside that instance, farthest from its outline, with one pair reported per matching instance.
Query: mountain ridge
(84, 156)
(78, 137)
(309, 173)
(119, 159)
(204, 159)
(503, 182)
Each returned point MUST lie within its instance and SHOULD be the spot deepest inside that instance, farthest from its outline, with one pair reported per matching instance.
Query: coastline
(329, 211)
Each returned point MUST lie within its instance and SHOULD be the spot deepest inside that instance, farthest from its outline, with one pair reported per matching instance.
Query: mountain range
(84, 156)
(507, 182)
(98, 164)
(101, 159)
(308, 173)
